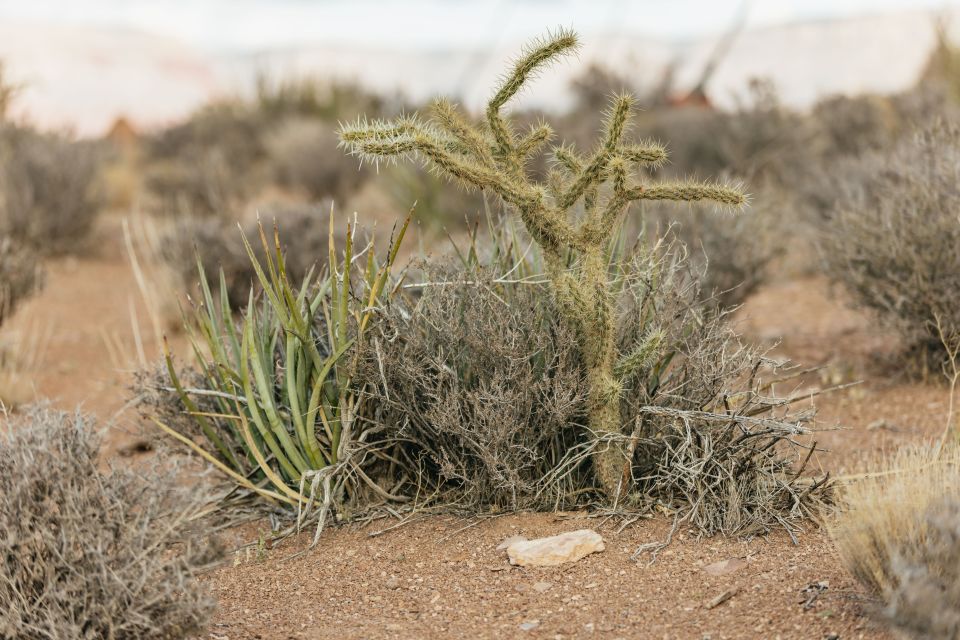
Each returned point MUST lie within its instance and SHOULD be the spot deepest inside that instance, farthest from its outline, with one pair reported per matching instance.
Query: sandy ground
(443, 577)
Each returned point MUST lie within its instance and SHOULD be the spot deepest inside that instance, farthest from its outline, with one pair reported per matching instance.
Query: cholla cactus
(493, 156)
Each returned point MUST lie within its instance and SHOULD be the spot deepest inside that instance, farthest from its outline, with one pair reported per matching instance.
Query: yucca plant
(276, 408)
(572, 216)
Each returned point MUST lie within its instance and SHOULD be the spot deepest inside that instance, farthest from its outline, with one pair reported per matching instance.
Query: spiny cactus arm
(647, 153)
(677, 191)
(381, 130)
(449, 117)
(690, 192)
(549, 229)
(407, 137)
(568, 158)
(538, 55)
(641, 356)
(531, 143)
(594, 172)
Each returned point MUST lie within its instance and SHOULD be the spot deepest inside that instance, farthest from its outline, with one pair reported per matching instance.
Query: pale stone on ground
(548, 552)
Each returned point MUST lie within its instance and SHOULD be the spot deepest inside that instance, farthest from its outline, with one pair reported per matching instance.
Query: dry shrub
(49, 189)
(20, 275)
(899, 535)
(202, 185)
(480, 381)
(483, 381)
(710, 438)
(304, 233)
(225, 153)
(761, 141)
(438, 207)
(304, 156)
(851, 125)
(86, 554)
(893, 240)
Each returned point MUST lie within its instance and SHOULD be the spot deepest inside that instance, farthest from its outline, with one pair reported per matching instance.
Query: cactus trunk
(587, 305)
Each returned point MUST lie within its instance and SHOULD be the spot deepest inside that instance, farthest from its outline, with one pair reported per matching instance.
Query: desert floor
(442, 576)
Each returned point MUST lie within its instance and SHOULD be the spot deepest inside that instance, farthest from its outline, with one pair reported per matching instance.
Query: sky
(231, 26)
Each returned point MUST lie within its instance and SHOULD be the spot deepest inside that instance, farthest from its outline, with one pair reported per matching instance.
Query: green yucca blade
(265, 388)
(191, 406)
(253, 405)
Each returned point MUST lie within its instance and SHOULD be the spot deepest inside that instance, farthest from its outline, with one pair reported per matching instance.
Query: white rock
(509, 541)
(548, 552)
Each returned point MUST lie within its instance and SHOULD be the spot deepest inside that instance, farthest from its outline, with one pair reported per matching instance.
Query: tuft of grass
(898, 533)
(87, 554)
(884, 511)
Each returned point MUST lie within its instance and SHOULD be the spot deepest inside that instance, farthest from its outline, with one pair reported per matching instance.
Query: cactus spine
(493, 156)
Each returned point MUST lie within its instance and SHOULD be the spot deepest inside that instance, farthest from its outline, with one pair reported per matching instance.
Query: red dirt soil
(443, 577)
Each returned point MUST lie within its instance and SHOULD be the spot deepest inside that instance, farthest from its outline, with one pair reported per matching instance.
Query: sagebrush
(893, 240)
(20, 275)
(49, 189)
(89, 554)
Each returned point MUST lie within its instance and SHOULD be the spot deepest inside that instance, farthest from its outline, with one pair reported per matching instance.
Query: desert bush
(201, 185)
(219, 246)
(49, 189)
(207, 165)
(494, 157)
(20, 275)
(87, 554)
(478, 377)
(899, 535)
(893, 239)
(7, 93)
(437, 206)
(306, 97)
(212, 163)
(854, 125)
(288, 415)
(303, 155)
(485, 384)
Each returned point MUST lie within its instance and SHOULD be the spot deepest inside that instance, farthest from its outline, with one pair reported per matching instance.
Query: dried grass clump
(899, 535)
(927, 602)
(86, 554)
(20, 275)
(49, 189)
(893, 240)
